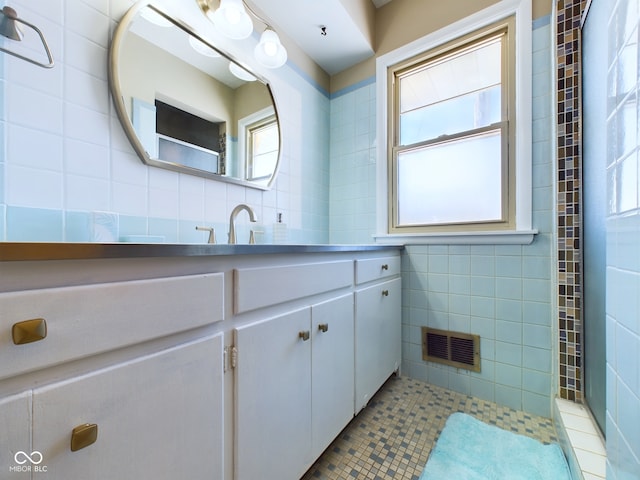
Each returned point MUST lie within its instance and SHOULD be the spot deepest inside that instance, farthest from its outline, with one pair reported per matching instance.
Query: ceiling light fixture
(233, 21)
(241, 73)
(202, 48)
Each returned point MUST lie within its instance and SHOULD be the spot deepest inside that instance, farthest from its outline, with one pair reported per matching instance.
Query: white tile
(578, 422)
(163, 179)
(585, 441)
(127, 199)
(163, 203)
(591, 463)
(86, 193)
(85, 124)
(87, 22)
(86, 90)
(572, 408)
(33, 109)
(85, 55)
(33, 187)
(191, 198)
(45, 80)
(127, 168)
(34, 148)
(52, 9)
(87, 159)
(101, 5)
(118, 138)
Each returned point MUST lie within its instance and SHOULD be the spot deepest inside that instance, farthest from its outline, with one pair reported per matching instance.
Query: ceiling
(345, 43)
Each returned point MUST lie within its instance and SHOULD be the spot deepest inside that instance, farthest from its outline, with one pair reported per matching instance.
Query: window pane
(458, 92)
(263, 148)
(453, 182)
(462, 72)
(467, 112)
(265, 139)
(264, 165)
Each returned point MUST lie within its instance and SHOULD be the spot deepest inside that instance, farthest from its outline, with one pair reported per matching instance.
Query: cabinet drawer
(370, 269)
(260, 287)
(89, 319)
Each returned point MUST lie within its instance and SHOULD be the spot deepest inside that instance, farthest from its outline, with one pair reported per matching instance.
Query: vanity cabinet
(295, 371)
(377, 325)
(249, 372)
(120, 361)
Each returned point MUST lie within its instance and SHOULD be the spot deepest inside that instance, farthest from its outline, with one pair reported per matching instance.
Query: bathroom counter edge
(36, 251)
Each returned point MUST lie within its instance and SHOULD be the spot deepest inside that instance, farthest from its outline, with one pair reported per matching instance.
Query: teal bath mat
(472, 450)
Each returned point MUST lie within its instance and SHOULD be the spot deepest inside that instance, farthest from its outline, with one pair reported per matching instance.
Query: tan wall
(363, 13)
(251, 98)
(148, 72)
(403, 21)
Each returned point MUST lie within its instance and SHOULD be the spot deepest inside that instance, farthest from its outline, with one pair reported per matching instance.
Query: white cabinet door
(273, 398)
(377, 337)
(332, 370)
(17, 458)
(159, 417)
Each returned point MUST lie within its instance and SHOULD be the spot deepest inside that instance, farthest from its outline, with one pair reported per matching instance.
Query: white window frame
(244, 125)
(523, 233)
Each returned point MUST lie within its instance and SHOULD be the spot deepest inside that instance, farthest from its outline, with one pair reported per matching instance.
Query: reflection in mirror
(188, 106)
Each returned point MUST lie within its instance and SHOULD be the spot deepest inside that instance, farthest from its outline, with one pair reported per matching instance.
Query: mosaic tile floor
(392, 437)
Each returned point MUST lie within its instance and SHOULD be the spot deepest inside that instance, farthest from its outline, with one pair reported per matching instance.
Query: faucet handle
(212, 233)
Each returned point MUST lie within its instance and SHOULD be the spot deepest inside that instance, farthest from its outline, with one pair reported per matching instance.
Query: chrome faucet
(232, 218)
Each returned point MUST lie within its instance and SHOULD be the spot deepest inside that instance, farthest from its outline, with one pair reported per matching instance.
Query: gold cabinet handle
(323, 327)
(29, 331)
(385, 293)
(385, 267)
(304, 335)
(83, 435)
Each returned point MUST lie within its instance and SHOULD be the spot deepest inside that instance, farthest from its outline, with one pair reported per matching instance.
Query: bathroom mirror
(187, 106)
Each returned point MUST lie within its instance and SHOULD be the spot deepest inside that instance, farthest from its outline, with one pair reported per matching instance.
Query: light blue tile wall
(623, 246)
(501, 292)
(353, 164)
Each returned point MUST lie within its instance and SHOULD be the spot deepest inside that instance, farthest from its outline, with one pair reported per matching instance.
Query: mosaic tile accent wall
(569, 177)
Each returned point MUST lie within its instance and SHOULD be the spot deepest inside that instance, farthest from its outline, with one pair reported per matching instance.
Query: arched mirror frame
(127, 124)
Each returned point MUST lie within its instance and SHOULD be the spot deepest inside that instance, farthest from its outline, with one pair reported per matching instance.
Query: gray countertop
(32, 251)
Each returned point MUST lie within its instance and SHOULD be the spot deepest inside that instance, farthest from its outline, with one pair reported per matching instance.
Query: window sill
(507, 237)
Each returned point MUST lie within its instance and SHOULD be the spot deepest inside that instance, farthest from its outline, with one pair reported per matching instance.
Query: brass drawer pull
(323, 327)
(385, 267)
(385, 293)
(29, 331)
(83, 435)
(304, 335)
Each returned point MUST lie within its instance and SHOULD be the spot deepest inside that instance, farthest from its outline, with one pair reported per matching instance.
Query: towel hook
(9, 29)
